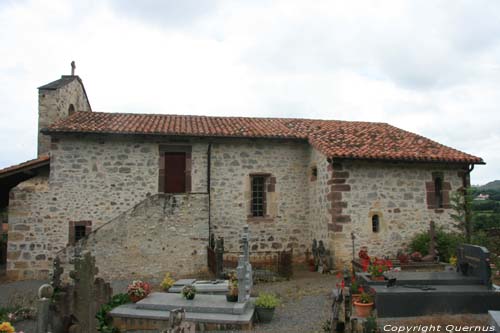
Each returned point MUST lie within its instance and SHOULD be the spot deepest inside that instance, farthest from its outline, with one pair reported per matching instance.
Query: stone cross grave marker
(244, 269)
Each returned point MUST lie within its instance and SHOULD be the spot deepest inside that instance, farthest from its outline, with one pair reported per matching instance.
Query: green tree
(461, 203)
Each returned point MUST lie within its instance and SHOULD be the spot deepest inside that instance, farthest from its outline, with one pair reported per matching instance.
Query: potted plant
(265, 305)
(364, 305)
(232, 295)
(188, 292)
(356, 289)
(167, 282)
(138, 290)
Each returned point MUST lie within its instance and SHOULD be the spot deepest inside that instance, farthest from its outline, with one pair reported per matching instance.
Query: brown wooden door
(175, 172)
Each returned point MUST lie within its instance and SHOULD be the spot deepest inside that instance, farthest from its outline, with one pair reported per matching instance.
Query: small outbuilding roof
(25, 166)
(334, 138)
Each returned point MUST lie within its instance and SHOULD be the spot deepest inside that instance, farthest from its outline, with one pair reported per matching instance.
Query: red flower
(380, 270)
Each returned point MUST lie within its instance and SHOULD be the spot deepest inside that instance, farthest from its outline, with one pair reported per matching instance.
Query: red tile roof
(336, 139)
(40, 161)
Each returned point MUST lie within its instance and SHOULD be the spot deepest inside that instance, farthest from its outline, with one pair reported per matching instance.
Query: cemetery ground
(306, 301)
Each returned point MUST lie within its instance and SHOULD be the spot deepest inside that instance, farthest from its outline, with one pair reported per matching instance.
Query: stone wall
(29, 250)
(54, 105)
(92, 180)
(396, 192)
(164, 233)
(286, 164)
(319, 213)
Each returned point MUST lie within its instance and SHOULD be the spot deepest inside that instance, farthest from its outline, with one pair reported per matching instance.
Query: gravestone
(76, 304)
(244, 269)
(473, 260)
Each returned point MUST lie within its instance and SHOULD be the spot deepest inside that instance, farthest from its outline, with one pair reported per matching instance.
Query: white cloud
(431, 68)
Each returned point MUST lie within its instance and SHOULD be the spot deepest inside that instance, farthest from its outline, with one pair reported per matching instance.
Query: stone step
(214, 304)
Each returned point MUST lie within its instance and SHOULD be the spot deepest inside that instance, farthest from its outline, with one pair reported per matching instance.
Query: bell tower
(58, 100)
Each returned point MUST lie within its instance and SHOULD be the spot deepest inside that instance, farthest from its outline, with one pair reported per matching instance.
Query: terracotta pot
(135, 298)
(355, 297)
(363, 310)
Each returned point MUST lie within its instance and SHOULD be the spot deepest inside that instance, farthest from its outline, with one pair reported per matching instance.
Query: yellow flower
(6, 327)
(453, 260)
(167, 282)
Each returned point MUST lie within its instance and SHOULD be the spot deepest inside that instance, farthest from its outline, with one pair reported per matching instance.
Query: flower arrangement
(189, 291)
(138, 289)
(379, 266)
(6, 327)
(365, 298)
(233, 285)
(167, 282)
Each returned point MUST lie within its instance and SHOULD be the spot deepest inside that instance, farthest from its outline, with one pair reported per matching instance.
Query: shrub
(446, 243)
(266, 300)
(103, 319)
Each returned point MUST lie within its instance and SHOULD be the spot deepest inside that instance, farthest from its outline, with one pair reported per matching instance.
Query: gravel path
(306, 303)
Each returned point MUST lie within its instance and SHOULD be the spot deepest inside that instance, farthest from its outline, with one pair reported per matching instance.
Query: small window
(80, 231)
(314, 173)
(258, 204)
(71, 109)
(438, 191)
(375, 223)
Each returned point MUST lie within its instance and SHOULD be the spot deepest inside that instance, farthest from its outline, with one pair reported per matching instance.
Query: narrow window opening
(71, 109)
(258, 205)
(375, 223)
(438, 191)
(314, 171)
(80, 232)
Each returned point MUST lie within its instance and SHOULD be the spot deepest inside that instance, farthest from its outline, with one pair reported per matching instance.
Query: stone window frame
(72, 230)
(314, 173)
(270, 186)
(164, 148)
(438, 192)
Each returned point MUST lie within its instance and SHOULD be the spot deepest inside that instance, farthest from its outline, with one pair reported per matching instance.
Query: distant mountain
(494, 185)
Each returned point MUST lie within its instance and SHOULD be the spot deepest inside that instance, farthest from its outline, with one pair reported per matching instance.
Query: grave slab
(495, 320)
(411, 301)
(216, 287)
(200, 304)
(427, 278)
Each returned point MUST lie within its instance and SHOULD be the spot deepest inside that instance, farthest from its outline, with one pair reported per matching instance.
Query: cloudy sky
(431, 67)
